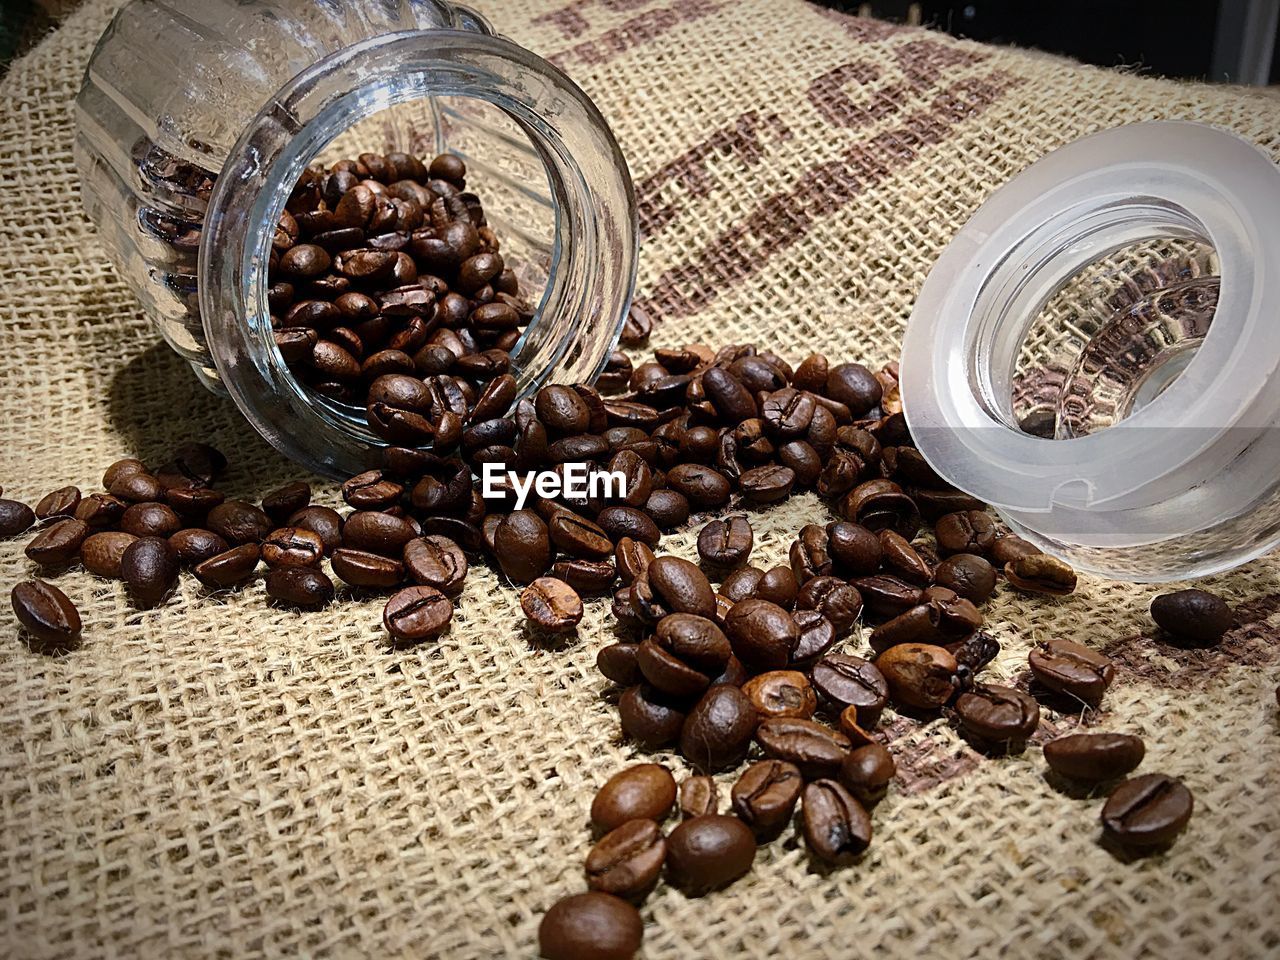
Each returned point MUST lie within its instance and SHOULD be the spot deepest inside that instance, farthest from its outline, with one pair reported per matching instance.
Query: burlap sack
(218, 778)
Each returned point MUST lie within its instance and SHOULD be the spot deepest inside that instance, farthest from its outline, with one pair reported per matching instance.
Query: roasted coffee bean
(787, 413)
(1072, 668)
(587, 577)
(522, 547)
(360, 568)
(102, 553)
(809, 554)
(778, 585)
(902, 560)
(239, 522)
(887, 596)
(371, 491)
(968, 574)
(578, 536)
(843, 680)
(325, 522)
(834, 599)
(817, 636)
(292, 547)
(680, 587)
(852, 728)
(919, 675)
(1041, 573)
(1147, 812)
(150, 520)
(811, 374)
(436, 561)
(920, 624)
(866, 773)
(620, 521)
(377, 532)
(972, 654)
(230, 567)
(417, 614)
(698, 796)
(762, 634)
(302, 587)
(1008, 548)
(718, 730)
(966, 531)
(708, 853)
(668, 508)
(781, 693)
(15, 518)
(98, 510)
(729, 395)
(741, 584)
(767, 484)
(60, 503)
(627, 860)
(881, 505)
(996, 715)
(726, 544)
(837, 829)
(813, 747)
(636, 328)
(704, 487)
(804, 461)
(562, 410)
(633, 559)
(590, 926)
(120, 468)
(136, 488)
(649, 717)
(685, 653)
(855, 386)
(58, 544)
(50, 619)
(1094, 757)
(618, 663)
(149, 568)
(643, 791)
(765, 796)
(191, 545)
(1193, 616)
(551, 605)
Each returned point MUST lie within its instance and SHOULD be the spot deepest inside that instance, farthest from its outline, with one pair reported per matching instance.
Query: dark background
(1218, 40)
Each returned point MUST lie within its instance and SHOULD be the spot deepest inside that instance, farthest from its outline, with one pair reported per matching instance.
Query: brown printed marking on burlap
(640, 29)
(572, 20)
(782, 220)
(690, 174)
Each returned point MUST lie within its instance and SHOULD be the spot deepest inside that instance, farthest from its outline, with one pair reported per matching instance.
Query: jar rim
(1136, 182)
(596, 229)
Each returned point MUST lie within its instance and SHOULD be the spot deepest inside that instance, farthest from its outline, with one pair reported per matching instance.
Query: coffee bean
(650, 718)
(741, 584)
(50, 619)
(643, 791)
(762, 634)
(765, 795)
(817, 636)
(881, 505)
(995, 715)
(150, 520)
(60, 503)
(781, 693)
(590, 926)
(149, 568)
(704, 487)
(101, 553)
(811, 375)
(1041, 573)
(292, 547)
(15, 518)
(837, 829)
(698, 796)
(919, 675)
(708, 853)
(98, 510)
(718, 730)
(417, 614)
(902, 560)
(121, 468)
(855, 386)
(1193, 616)
(636, 328)
(834, 599)
(968, 574)
(360, 568)
(725, 544)
(620, 521)
(522, 546)
(814, 748)
(325, 522)
(685, 653)
(967, 531)
(851, 727)
(1094, 757)
(587, 577)
(921, 624)
(230, 567)
(787, 413)
(239, 522)
(436, 561)
(627, 860)
(668, 508)
(887, 596)
(866, 773)
(191, 545)
(1147, 812)
(1072, 668)
(766, 484)
(729, 395)
(578, 536)
(1008, 548)
(58, 544)
(778, 585)
(618, 663)
(842, 681)
(371, 491)
(302, 587)
(377, 532)
(551, 605)
(305, 260)
(680, 586)
(562, 410)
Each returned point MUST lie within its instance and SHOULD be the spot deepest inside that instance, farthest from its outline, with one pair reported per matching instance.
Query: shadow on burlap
(218, 778)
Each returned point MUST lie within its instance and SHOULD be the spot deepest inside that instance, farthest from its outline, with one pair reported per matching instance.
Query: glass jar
(196, 118)
(1097, 353)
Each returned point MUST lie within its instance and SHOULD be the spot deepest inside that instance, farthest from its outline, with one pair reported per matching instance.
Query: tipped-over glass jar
(197, 117)
(1096, 353)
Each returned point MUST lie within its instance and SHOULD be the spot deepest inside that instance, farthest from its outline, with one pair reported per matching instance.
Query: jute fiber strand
(217, 778)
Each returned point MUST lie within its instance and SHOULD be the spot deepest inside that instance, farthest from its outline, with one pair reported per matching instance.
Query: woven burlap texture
(219, 778)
